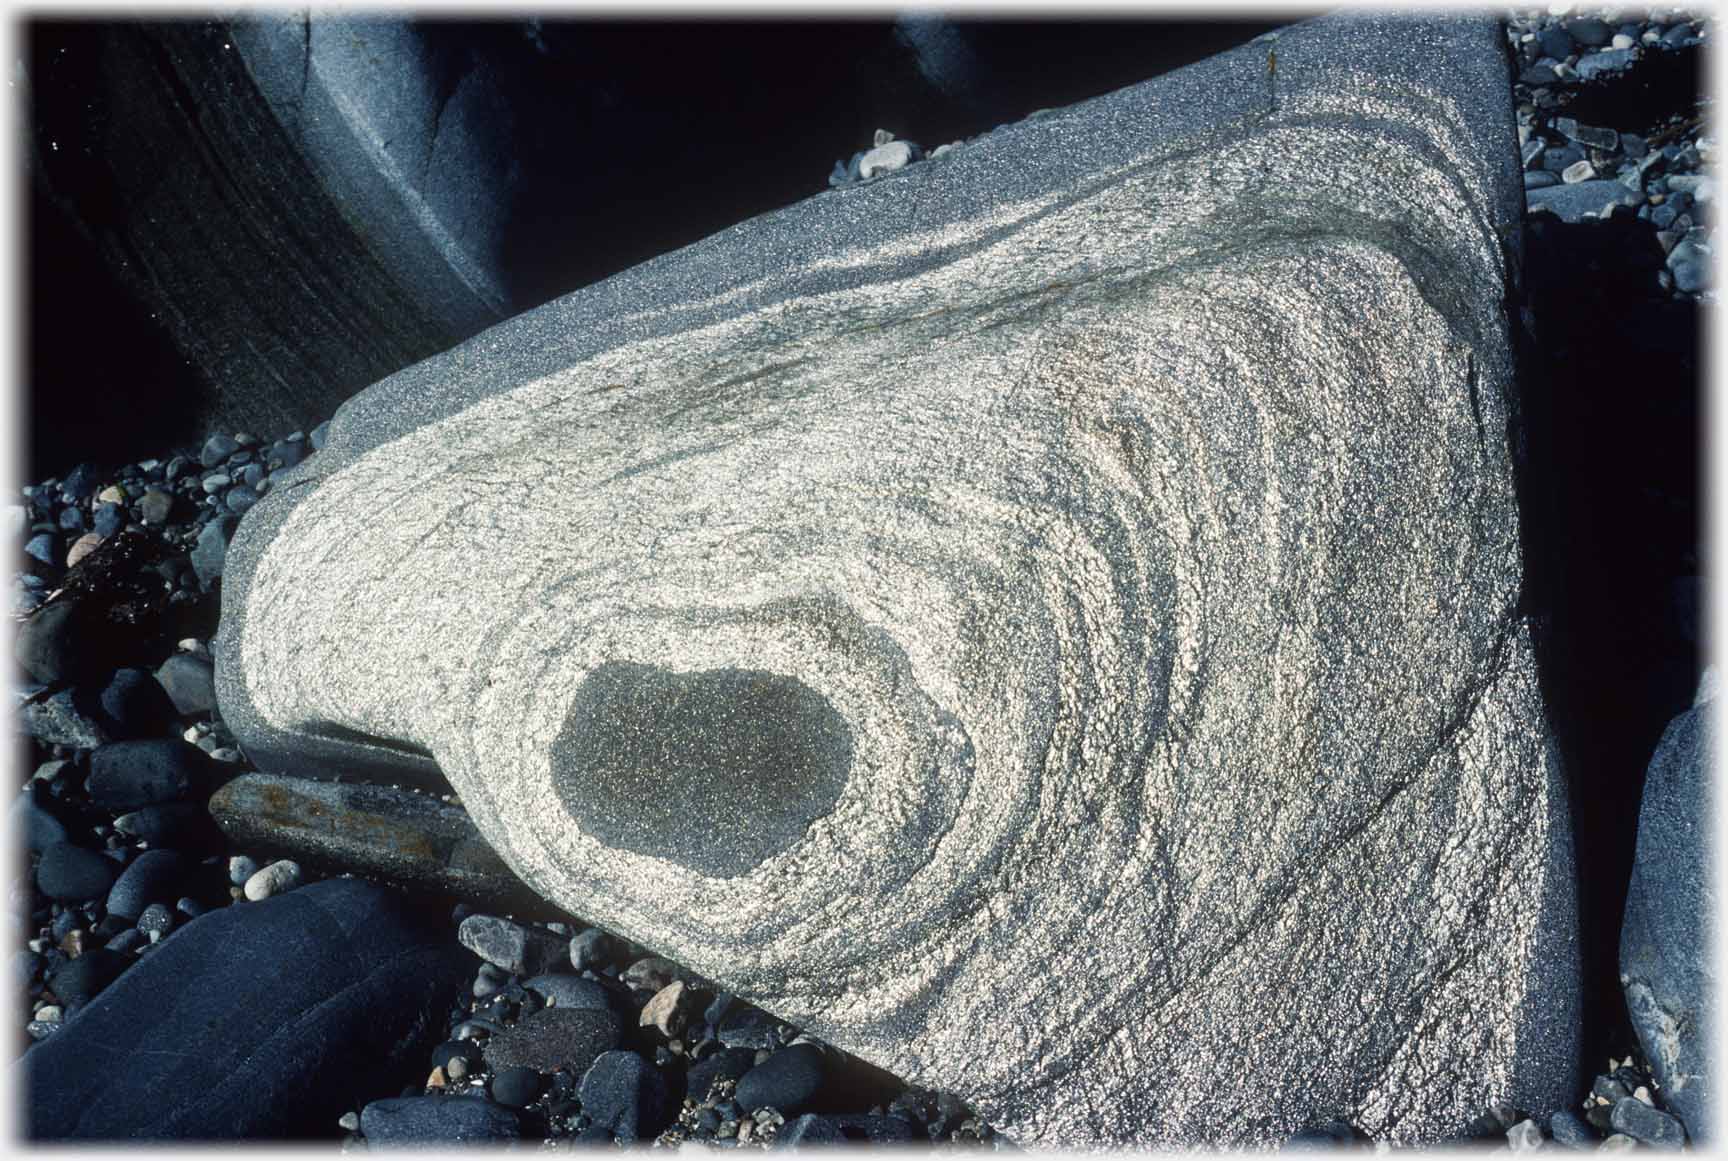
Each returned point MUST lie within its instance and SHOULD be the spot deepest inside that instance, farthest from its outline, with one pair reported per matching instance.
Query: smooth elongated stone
(1045, 621)
(398, 835)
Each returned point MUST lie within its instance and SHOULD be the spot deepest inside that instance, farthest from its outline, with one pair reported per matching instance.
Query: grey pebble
(1653, 1127)
(44, 547)
(216, 449)
(156, 506)
(1604, 63)
(127, 941)
(590, 949)
(1690, 265)
(518, 949)
(156, 921)
(110, 518)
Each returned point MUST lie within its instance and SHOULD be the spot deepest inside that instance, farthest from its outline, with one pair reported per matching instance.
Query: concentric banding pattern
(1145, 566)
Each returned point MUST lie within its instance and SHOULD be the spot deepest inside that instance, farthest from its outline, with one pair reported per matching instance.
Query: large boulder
(1046, 621)
(1666, 966)
(257, 1020)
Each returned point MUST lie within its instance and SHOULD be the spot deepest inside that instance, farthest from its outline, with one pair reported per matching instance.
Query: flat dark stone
(127, 775)
(555, 1038)
(190, 683)
(437, 1120)
(727, 1064)
(153, 877)
(626, 1096)
(787, 1081)
(264, 1020)
(399, 835)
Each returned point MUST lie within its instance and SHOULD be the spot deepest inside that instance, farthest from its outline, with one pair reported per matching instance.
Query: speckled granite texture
(1099, 542)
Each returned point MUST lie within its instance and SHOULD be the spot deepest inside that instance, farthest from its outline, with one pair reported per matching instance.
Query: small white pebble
(189, 645)
(1527, 38)
(49, 1012)
(1621, 40)
(885, 159)
(1524, 1136)
(282, 875)
(225, 754)
(1643, 1094)
(349, 1120)
(457, 1069)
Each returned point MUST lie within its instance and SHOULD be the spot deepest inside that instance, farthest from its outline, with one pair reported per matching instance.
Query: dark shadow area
(1610, 493)
(1659, 84)
(736, 118)
(103, 379)
(162, 190)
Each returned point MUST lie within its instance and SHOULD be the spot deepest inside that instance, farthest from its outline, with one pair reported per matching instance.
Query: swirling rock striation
(1046, 621)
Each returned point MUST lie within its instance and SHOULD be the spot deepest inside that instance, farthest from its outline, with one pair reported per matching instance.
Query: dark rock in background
(157, 147)
(274, 212)
(260, 1020)
(72, 873)
(1666, 954)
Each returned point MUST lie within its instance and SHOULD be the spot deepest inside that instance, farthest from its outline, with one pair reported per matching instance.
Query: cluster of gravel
(1574, 61)
(585, 1038)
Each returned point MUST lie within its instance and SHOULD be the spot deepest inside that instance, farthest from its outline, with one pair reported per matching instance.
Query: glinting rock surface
(1045, 620)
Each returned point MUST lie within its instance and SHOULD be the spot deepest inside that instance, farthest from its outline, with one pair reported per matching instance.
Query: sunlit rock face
(1046, 621)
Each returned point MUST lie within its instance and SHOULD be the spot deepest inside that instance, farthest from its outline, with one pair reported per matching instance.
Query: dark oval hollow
(717, 770)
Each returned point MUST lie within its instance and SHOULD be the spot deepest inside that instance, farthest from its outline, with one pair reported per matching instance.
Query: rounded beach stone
(626, 1096)
(73, 874)
(787, 1081)
(555, 1038)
